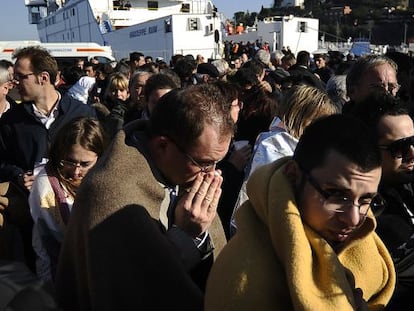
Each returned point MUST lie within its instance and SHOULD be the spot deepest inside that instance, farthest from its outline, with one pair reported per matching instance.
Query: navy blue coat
(24, 140)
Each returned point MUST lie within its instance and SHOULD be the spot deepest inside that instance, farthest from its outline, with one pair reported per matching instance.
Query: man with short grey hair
(370, 74)
(276, 58)
(336, 89)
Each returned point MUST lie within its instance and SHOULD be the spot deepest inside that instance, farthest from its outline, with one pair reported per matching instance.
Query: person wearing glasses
(390, 119)
(300, 106)
(75, 150)
(143, 230)
(305, 239)
(370, 74)
(27, 130)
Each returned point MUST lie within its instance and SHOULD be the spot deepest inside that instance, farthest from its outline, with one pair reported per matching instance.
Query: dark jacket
(24, 140)
(122, 113)
(324, 73)
(302, 74)
(232, 182)
(395, 227)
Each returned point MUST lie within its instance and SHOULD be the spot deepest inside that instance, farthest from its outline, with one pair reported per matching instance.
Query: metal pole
(274, 45)
(405, 33)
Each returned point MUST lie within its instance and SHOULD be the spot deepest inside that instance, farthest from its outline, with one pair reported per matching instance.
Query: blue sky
(14, 23)
(228, 7)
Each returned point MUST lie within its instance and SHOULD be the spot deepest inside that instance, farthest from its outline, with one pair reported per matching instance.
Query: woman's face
(77, 163)
(120, 94)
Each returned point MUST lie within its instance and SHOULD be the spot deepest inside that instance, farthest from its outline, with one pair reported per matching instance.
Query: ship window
(168, 26)
(185, 8)
(152, 5)
(194, 24)
(302, 27)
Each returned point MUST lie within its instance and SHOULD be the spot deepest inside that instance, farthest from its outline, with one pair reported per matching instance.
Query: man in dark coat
(301, 73)
(394, 128)
(27, 129)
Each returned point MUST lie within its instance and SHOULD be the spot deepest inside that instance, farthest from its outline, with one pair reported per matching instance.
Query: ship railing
(118, 54)
(206, 52)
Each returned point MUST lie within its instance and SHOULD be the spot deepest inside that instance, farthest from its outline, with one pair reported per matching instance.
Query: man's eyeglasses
(391, 88)
(204, 167)
(19, 76)
(399, 148)
(339, 203)
(73, 165)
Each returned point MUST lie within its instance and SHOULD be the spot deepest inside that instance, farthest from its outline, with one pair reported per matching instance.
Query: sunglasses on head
(399, 148)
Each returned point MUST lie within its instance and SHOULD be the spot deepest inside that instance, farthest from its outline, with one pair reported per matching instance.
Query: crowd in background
(61, 126)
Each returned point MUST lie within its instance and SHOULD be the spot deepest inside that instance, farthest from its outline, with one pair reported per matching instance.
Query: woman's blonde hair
(302, 105)
(118, 81)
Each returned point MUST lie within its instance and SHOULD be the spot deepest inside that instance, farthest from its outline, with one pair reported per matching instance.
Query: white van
(66, 54)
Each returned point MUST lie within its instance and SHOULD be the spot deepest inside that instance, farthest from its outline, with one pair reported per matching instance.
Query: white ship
(157, 28)
(297, 33)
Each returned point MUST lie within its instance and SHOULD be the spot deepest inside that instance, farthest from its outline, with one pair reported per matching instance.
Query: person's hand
(265, 86)
(240, 157)
(196, 207)
(96, 100)
(26, 180)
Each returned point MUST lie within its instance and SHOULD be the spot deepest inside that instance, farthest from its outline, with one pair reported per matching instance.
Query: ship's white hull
(153, 38)
(183, 33)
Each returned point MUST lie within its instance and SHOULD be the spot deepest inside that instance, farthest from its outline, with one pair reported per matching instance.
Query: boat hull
(182, 33)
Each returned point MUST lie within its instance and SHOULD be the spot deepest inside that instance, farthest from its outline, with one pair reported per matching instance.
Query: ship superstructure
(157, 28)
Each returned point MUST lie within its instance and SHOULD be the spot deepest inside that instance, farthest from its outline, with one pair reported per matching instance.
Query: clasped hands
(197, 205)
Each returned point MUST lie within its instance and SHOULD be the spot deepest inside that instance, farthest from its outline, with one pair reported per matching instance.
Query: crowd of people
(265, 180)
